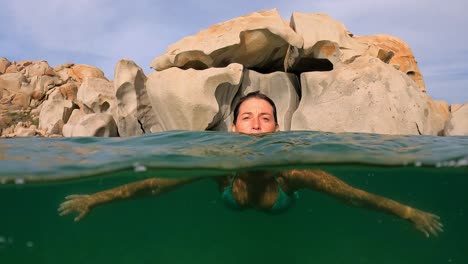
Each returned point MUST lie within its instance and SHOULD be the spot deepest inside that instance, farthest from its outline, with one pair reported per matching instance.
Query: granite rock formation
(320, 75)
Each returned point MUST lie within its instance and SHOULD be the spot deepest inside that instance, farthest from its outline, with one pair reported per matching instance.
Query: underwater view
(192, 224)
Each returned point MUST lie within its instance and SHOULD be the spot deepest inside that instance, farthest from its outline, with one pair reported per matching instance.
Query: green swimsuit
(283, 202)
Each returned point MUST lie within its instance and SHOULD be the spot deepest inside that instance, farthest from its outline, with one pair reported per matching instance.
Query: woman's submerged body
(261, 190)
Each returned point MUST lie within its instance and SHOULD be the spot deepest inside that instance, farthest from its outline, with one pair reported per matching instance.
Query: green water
(191, 224)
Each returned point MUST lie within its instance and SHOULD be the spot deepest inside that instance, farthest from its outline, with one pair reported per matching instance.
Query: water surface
(191, 224)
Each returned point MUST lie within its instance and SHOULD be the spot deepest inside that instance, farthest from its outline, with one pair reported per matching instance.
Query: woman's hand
(426, 222)
(80, 204)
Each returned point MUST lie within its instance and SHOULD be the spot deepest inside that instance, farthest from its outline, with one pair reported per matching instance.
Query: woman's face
(255, 116)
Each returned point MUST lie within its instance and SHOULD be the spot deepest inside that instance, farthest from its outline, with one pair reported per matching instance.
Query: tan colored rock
(11, 69)
(9, 131)
(37, 95)
(63, 66)
(97, 94)
(54, 113)
(11, 82)
(257, 40)
(20, 100)
(36, 111)
(55, 94)
(4, 64)
(40, 85)
(281, 87)
(5, 121)
(69, 91)
(65, 72)
(24, 130)
(193, 99)
(80, 71)
(95, 125)
(455, 107)
(365, 96)
(12, 96)
(75, 117)
(457, 124)
(398, 53)
(37, 68)
(327, 42)
(23, 64)
(440, 114)
(135, 115)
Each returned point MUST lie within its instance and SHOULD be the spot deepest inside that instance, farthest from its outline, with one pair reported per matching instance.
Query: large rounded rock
(366, 96)
(257, 41)
(192, 99)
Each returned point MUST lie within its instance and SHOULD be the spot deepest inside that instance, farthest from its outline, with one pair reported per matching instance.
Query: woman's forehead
(255, 104)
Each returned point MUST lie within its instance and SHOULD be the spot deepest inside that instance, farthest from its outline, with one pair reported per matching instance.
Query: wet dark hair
(257, 95)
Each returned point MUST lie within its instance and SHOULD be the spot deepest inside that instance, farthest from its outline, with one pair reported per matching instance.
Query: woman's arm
(324, 182)
(82, 204)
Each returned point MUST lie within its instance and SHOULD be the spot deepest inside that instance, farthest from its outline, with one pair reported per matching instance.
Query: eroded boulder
(135, 115)
(257, 41)
(93, 125)
(54, 114)
(366, 96)
(192, 99)
(327, 42)
(97, 94)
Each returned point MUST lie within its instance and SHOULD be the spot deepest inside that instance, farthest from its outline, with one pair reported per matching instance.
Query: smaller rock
(11, 69)
(95, 125)
(4, 64)
(69, 91)
(81, 71)
(25, 132)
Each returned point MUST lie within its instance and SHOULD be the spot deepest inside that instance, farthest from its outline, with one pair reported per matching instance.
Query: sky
(101, 32)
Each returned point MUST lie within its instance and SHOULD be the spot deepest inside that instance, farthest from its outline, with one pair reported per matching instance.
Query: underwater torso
(283, 202)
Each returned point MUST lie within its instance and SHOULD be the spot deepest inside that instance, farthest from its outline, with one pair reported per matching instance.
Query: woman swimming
(268, 191)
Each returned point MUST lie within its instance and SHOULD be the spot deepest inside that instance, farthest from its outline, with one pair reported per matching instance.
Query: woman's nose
(255, 123)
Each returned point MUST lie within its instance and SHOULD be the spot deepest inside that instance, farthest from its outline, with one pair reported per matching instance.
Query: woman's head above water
(255, 113)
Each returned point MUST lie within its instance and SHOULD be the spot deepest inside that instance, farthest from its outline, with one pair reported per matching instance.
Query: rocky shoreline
(320, 75)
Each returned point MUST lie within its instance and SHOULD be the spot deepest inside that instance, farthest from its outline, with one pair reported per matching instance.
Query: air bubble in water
(19, 181)
(462, 162)
(137, 167)
(2, 242)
